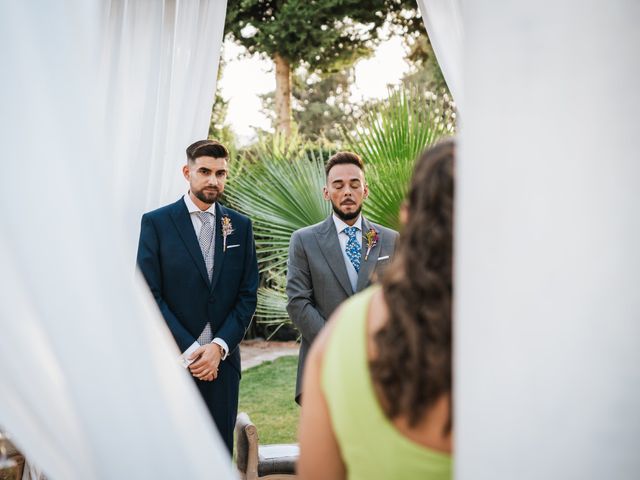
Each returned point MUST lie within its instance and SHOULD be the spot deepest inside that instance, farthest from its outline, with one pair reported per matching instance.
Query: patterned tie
(352, 248)
(206, 336)
(206, 241)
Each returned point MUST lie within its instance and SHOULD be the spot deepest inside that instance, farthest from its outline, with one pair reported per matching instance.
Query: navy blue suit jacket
(171, 261)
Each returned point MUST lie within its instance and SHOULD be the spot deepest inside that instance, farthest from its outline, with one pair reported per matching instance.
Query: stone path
(254, 352)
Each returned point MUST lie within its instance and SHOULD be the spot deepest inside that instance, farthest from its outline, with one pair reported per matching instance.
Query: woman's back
(372, 446)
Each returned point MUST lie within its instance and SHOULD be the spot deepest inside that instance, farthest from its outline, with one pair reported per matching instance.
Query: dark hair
(206, 148)
(412, 367)
(343, 157)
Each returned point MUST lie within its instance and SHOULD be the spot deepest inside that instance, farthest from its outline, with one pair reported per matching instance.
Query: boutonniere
(227, 229)
(372, 240)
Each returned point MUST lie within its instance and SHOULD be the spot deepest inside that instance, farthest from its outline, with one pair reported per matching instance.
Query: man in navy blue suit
(199, 260)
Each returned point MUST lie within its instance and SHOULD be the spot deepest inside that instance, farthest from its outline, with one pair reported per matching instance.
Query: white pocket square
(383, 258)
(233, 246)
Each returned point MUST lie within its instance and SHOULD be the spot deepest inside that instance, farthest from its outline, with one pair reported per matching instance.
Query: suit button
(211, 300)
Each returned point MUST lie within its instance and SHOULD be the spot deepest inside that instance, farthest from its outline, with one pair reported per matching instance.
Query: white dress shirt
(197, 226)
(344, 238)
(195, 219)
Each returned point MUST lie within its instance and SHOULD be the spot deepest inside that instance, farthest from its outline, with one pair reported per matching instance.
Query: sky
(243, 79)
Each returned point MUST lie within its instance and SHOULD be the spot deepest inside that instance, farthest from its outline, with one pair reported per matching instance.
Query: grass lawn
(266, 394)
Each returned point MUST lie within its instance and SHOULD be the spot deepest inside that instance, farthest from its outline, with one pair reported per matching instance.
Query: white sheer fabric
(160, 64)
(89, 386)
(443, 21)
(548, 235)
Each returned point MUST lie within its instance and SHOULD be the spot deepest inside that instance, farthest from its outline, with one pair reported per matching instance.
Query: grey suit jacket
(317, 279)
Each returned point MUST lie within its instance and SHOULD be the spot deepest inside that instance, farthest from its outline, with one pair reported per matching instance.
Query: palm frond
(272, 306)
(279, 187)
(389, 138)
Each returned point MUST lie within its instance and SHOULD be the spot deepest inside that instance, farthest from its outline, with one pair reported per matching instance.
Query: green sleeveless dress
(371, 446)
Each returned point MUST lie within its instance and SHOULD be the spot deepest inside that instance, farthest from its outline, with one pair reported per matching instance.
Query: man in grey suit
(332, 260)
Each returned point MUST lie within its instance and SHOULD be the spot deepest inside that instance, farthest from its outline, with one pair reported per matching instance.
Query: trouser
(221, 397)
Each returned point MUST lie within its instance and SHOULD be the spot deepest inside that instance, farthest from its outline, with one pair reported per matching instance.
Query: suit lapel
(218, 254)
(182, 221)
(327, 239)
(367, 266)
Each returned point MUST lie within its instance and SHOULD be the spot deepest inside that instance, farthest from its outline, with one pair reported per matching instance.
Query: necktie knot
(205, 217)
(351, 232)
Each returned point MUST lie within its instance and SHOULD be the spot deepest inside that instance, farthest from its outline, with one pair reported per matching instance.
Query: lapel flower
(227, 229)
(372, 240)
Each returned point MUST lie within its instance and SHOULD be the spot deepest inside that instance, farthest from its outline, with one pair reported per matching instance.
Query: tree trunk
(283, 95)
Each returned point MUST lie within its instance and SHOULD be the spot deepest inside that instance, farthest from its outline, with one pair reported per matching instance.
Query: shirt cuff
(184, 357)
(223, 344)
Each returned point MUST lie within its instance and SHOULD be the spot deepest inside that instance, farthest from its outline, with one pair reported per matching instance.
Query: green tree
(425, 70)
(323, 35)
(322, 107)
(219, 129)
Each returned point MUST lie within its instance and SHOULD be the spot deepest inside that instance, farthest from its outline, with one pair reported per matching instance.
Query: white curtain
(548, 235)
(443, 21)
(89, 386)
(159, 70)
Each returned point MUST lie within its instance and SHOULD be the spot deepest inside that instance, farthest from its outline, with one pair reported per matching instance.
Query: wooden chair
(13, 470)
(269, 462)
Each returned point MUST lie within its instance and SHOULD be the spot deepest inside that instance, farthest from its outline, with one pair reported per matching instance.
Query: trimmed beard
(346, 216)
(203, 197)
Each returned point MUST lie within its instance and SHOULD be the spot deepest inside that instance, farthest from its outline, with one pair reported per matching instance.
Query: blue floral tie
(353, 248)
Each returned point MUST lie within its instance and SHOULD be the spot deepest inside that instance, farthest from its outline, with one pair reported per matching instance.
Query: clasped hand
(207, 359)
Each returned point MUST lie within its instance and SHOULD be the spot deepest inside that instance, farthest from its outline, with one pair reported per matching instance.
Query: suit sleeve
(238, 320)
(300, 305)
(148, 260)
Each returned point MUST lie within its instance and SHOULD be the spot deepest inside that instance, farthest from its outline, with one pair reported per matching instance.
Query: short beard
(345, 216)
(207, 198)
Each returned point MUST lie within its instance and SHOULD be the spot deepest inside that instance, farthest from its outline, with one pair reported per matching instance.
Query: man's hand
(208, 357)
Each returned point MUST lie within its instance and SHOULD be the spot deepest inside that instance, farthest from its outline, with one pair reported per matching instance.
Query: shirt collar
(193, 208)
(340, 225)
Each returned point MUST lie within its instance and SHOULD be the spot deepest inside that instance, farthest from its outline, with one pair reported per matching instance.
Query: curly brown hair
(412, 367)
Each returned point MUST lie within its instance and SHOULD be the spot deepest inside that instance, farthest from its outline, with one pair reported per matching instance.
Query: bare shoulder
(320, 455)
(376, 318)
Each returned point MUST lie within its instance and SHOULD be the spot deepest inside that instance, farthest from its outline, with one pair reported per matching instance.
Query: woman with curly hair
(378, 381)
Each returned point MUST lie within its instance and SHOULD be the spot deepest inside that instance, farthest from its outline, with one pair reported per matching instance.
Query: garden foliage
(278, 181)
